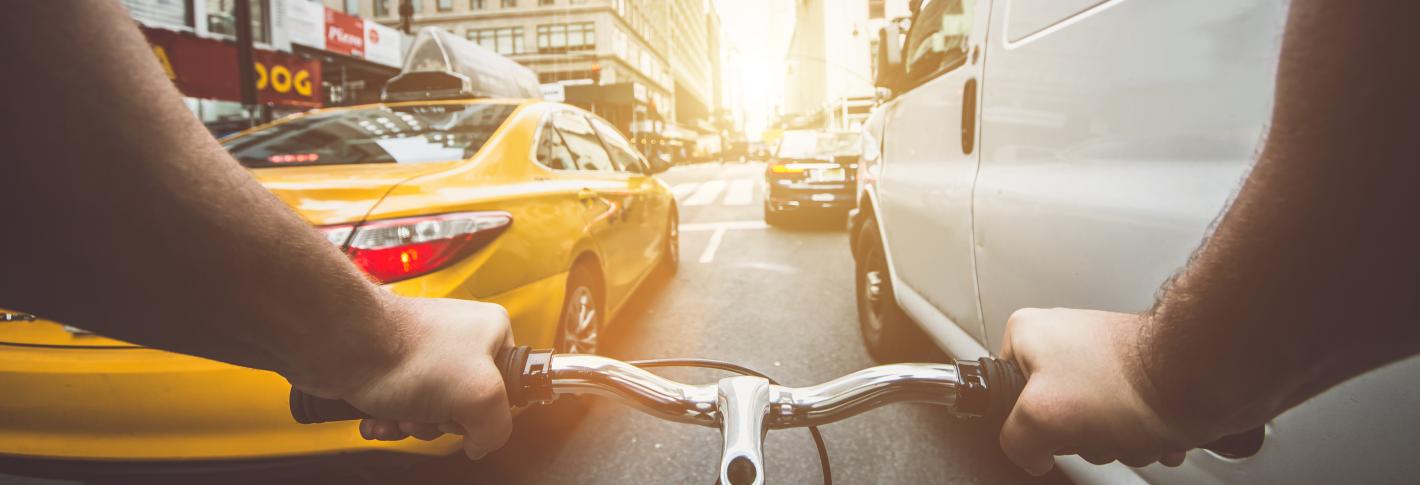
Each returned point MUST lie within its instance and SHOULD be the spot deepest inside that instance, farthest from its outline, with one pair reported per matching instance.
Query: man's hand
(443, 379)
(1086, 393)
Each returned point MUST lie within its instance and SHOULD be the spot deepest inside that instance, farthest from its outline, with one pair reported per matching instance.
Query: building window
(382, 8)
(507, 40)
(222, 19)
(581, 36)
(418, 5)
(477, 4)
(445, 5)
(510, 3)
(875, 9)
(173, 13)
(352, 7)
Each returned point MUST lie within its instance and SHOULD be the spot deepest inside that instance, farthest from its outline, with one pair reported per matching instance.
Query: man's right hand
(1086, 394)
(442, 379)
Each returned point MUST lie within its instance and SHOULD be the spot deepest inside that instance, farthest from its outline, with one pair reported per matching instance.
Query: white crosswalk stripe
(682, 190)
(706, 194)
(741, 192)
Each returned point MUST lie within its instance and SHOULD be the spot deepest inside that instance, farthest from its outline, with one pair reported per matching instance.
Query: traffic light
(596, 74)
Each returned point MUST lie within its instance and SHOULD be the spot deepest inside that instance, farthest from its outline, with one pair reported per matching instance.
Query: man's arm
(1309, 279)
(123, 216)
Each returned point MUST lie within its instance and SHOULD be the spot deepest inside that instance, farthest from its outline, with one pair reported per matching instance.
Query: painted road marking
(733, 225)
(718, 234)
(741, 192)
(707, 193)
(682, 190)
(714, 245)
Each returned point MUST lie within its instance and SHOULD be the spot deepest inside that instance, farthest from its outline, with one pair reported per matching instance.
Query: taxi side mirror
(658, 164)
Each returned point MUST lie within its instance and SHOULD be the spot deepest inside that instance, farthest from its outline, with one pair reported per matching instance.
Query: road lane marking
(733, 225)
(707, 193)
(714, 245)
(741, 192)
(682, 190)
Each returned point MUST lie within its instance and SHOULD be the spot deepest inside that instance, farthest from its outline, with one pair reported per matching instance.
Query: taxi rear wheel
(579, 328)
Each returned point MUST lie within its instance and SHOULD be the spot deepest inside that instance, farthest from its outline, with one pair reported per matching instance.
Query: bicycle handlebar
(745, 407)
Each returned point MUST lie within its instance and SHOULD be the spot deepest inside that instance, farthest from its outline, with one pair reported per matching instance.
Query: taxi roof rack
(441, 65)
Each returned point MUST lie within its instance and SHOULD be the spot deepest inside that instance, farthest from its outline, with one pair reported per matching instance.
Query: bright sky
(754, 35)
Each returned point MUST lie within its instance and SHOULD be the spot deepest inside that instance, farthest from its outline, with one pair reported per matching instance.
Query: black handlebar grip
(1004, 381)
(308, 409)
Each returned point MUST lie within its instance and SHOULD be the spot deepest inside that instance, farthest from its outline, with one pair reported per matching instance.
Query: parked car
(1073, 154)
(540, 207)
(811, 171)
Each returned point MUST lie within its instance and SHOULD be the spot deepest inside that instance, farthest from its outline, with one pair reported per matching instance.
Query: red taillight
(398, 249)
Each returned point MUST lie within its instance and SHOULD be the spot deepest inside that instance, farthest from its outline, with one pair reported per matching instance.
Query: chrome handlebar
(787, 407)
(744, 408)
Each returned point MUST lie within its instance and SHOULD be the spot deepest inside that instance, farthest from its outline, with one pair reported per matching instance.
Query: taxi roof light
(441, 65)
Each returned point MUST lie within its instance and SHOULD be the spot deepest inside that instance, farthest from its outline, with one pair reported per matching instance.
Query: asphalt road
(778, 300)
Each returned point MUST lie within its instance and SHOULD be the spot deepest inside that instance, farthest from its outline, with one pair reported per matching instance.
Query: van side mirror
(889, 71)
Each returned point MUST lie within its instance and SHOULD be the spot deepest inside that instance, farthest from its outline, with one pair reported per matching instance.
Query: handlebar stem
(744, 403)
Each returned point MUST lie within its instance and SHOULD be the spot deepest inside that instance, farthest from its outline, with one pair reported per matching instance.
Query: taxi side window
(582, 141)
(552, 152)
(621, 151)
(936, 42)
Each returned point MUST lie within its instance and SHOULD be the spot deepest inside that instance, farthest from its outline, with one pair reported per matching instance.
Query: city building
(645, 65)
(828, 83)
(305, 56)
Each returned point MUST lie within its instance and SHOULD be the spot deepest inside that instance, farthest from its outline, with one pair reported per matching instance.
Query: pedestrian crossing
(736, 192)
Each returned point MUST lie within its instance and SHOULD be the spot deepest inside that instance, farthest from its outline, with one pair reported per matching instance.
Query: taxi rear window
(383, 134)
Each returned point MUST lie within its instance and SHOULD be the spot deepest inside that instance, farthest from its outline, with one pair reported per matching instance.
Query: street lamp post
(246, 62)
(406, 16)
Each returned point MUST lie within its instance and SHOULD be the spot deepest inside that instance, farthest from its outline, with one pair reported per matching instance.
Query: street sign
(554, 92)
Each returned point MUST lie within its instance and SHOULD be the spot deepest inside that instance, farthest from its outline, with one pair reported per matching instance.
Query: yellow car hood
(323, 194)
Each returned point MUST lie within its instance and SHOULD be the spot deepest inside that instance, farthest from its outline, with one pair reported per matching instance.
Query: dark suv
(811, 171)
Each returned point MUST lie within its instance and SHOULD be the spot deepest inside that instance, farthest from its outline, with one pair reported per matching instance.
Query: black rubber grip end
(1004, 382)
(308, 409)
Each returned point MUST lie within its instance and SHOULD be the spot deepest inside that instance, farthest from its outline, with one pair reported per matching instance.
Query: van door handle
(968, 117)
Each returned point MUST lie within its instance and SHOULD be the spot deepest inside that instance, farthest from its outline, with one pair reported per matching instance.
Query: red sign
(344, 34)
(206, 68)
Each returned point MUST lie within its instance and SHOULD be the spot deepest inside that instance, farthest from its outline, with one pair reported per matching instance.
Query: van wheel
(888, 333)
(579, 326)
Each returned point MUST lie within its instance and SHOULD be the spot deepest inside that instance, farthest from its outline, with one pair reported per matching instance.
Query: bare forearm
(1310, 278)
(138, 225)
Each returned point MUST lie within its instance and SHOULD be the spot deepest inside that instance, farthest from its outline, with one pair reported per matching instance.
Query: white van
(1072, 153)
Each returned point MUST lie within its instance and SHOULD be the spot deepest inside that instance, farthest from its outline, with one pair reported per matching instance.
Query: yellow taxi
(538, 206)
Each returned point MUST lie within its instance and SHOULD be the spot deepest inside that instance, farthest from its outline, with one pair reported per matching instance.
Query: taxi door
(606, 193)
(647, 212)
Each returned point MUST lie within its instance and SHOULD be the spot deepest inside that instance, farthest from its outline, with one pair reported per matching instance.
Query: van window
(586, 148)
(937, 41)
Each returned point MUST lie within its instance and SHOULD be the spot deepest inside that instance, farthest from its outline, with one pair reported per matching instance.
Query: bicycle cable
(738, 369)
